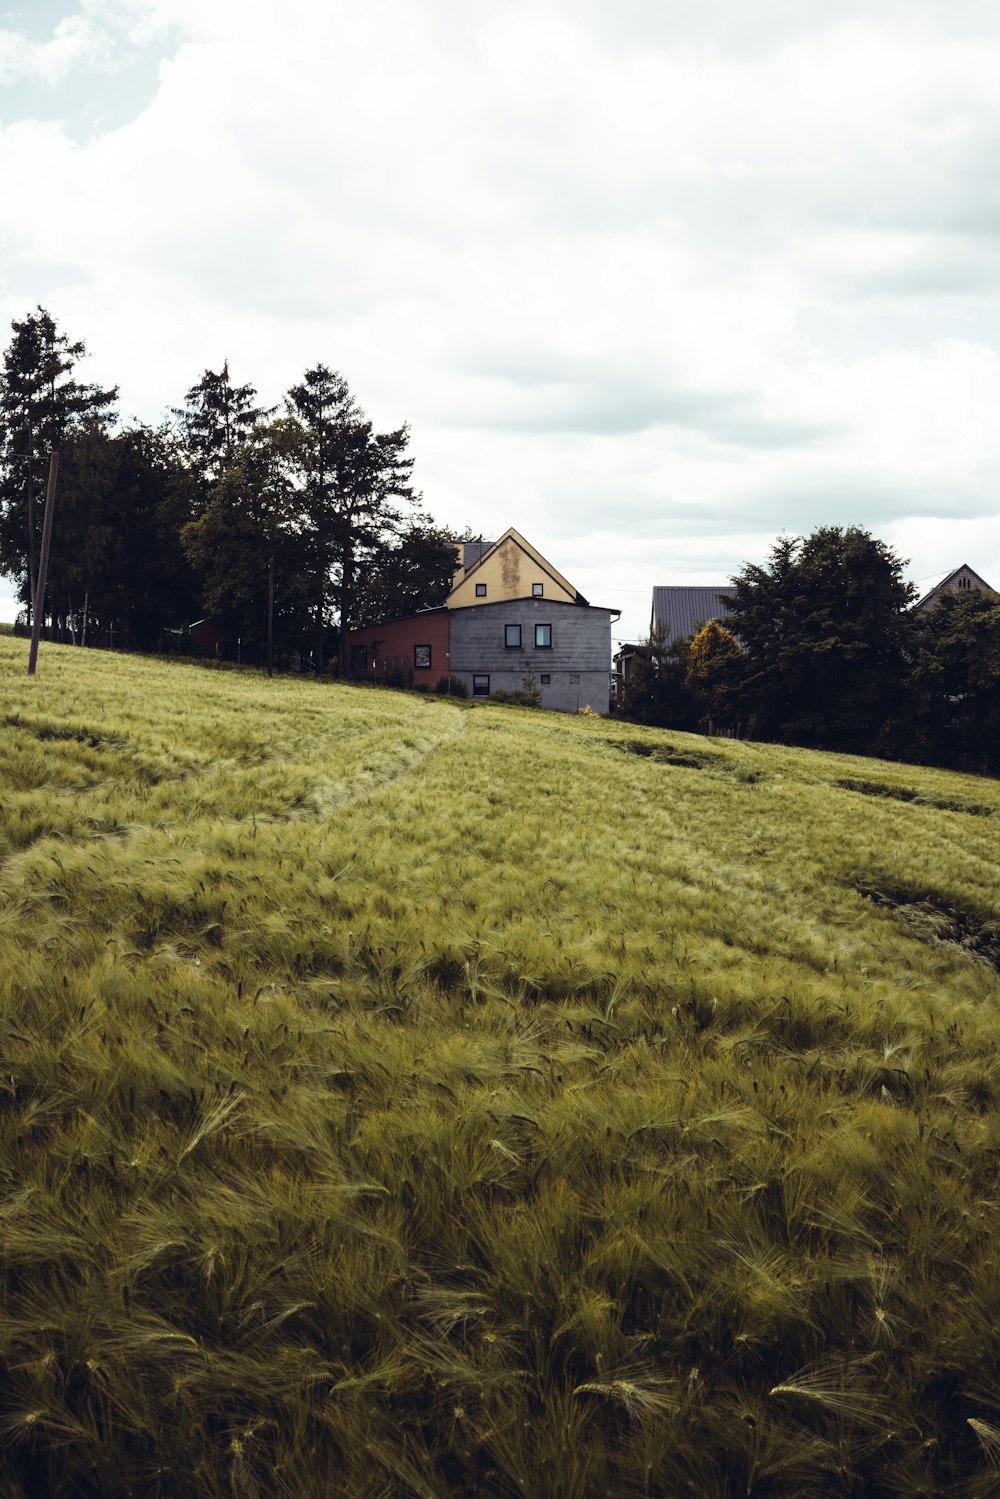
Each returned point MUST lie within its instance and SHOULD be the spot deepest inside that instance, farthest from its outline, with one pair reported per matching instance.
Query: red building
(402, 651)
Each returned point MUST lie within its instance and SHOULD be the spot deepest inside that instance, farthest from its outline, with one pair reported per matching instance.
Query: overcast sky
(651, 281)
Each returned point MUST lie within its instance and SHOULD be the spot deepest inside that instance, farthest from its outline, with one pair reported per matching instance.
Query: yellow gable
(511, 569)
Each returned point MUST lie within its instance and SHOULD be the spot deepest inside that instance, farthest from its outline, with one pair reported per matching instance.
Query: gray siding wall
(581, 648)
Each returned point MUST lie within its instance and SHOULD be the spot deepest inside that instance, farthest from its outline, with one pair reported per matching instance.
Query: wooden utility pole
(43, 562)
(270, 615)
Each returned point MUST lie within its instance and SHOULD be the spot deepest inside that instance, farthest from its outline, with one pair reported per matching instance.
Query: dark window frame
(545, 679)
(538, 590)
(477, 677)
(543, 645)
(508, 644)
(480, 590)
(419, 665)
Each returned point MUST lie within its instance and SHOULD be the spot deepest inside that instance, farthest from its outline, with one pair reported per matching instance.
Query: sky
(653, 282)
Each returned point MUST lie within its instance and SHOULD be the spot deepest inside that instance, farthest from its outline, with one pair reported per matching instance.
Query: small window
(421, 657)
(574, 676)
(512, 637)
(480, 590)
(546, 679)
(537, 590)
(480, 686)
(543, 636)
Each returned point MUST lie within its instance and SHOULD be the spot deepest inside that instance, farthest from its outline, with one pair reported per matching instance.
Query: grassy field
(404, 1098)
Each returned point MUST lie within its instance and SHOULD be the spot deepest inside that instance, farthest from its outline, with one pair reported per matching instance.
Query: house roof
(679, 611)
(942, 583)
(515, 536)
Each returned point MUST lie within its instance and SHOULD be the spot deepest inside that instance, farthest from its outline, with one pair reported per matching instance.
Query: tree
(955, 679)
(411, 571)
(657, 691)
(216, 418)
(823, 629)
(249, 519)
(40, 403)
(353, 481)
(712, 661)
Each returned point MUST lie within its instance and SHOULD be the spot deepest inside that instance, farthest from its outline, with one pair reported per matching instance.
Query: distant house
(960, 580)
(679, 611)
(510, 614)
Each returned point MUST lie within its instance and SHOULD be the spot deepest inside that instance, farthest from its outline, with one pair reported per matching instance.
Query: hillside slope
(400, 1097)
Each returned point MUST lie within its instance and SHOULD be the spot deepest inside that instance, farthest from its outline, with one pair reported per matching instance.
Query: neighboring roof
(679, 611)
(943, 583)
(515, 536)
(473, 550)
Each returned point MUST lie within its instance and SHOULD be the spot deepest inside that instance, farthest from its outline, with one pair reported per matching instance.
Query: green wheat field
(400, 1097)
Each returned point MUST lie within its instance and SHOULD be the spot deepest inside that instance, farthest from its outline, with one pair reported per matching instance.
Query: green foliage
(823, 631)
(451, 686)
(41, 401)
(955, 677)
(658, 691)
(374, 1114)
(407, 572)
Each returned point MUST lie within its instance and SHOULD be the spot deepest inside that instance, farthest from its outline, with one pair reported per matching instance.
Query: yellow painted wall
(508, 572)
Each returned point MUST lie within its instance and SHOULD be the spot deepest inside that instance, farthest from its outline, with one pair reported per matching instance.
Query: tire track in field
(329, 796)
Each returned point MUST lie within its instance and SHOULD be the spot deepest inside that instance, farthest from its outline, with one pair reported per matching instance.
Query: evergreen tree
(40, 403)
(251, 517)
(823, 629)
(216, 418)
(353, 482)
(412, 571)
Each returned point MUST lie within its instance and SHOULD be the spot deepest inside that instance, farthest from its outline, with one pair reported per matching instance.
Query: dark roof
(949, 577)
(472, 551)
(679, 612)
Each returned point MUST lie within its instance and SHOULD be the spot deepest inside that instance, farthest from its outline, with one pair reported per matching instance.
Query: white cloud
(630, 274)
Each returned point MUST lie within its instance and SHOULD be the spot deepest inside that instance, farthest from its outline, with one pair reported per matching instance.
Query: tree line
(156, 526)
(821, 647)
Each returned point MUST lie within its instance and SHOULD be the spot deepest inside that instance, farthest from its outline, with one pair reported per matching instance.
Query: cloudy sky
(651, 281)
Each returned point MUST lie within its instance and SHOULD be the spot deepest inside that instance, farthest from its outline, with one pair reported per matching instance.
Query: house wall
(581, 649)
(392, 646)
(509, 572)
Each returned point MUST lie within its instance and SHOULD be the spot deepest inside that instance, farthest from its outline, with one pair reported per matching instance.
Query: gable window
(537, 590)
(421, 657)
(480, 685)
(512, 637)
(543, 636)
(480, 590)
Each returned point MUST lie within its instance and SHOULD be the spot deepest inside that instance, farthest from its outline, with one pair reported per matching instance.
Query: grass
(406, 1099)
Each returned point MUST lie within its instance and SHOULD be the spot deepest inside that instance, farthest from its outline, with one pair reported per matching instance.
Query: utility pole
(270, 615)
(43, 562)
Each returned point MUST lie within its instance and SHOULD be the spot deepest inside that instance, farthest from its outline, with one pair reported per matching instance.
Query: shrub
(451, 687)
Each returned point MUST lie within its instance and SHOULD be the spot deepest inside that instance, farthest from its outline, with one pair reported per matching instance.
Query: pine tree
(216, 419)
(40, 403)
(353, 481)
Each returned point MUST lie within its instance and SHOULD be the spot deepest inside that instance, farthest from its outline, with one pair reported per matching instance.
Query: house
(959, 580)
(404, 651)
(510, 568)
(510, 615)
(679, 612)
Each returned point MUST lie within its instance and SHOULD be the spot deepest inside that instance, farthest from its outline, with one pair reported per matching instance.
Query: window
(543, 636)
(574, 676)
(537, 590)
(480, 590)
(512, 637)
(546, 679)
(359, 660)
(421, 657)
(480, 686)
